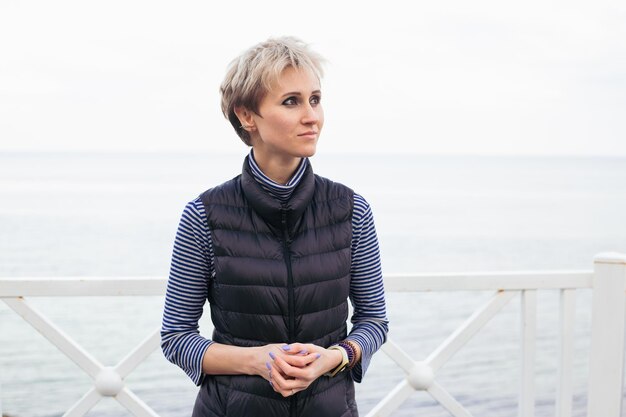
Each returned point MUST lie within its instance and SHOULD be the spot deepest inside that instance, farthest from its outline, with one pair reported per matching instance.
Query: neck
(279, 170)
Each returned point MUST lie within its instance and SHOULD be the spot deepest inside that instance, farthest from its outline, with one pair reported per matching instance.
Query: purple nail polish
(318, 355)
(272, 355)
(268, 366)
(271, 384)
(303, 352)
(286, 347)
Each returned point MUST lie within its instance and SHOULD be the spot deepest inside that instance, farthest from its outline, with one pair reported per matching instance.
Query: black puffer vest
(282, 275)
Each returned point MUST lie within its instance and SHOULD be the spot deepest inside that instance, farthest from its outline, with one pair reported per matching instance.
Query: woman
(277, 252)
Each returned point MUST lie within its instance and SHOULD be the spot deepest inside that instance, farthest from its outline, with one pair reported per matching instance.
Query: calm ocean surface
(116, 215)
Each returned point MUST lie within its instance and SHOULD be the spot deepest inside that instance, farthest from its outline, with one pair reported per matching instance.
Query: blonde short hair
(251, 75)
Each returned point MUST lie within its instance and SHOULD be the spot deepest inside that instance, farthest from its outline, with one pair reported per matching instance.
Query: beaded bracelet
(354, 347)
(351, 350)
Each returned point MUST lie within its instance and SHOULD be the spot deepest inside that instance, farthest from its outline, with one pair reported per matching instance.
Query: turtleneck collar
(282, 192)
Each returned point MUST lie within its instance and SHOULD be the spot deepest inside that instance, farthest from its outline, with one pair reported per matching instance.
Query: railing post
(606, 362)
(526, 407)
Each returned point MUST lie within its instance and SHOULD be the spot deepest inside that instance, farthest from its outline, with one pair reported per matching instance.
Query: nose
(312, 114)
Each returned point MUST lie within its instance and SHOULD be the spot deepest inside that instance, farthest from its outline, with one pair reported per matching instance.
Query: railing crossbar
(398, 355)
(134, 404)
(392, 400)
(56, 336)
(468, 329)
(137, 355)
(448, 401)
(83, 405)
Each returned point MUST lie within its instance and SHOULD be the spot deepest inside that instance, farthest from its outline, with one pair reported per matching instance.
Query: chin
(308, 152)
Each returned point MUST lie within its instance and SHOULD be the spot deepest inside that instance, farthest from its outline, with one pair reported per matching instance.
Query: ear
(245, 118)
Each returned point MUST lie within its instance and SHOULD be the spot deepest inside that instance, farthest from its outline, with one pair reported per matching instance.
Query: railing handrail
(155, 286)
(81, 286)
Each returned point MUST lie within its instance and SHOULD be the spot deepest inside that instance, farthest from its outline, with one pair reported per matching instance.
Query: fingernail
(318, 355)
(286, 347)
(268, 366)
(303, 352)
(271, 384)
(272, 355)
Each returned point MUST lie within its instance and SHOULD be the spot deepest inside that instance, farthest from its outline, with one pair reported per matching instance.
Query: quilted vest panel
(282, 275)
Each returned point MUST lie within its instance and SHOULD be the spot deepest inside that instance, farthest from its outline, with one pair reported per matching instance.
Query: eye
(314, 100)
(291, 101)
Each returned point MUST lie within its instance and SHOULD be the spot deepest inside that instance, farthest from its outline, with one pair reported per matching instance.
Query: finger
(277, 381)
(303, 373)
(281, 365)
(268, 376)
(282, 383)
(288, 387)
(301, 361)
(296, 348)
(310, 358)
(273, 367)
(284, 393)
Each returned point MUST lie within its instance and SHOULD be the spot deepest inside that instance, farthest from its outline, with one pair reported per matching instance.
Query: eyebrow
(297, 93)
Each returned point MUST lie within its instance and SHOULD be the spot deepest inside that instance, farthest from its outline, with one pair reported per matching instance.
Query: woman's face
(290, 117)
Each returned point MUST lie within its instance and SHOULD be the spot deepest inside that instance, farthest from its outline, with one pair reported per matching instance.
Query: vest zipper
(290, 298)
(287, 254)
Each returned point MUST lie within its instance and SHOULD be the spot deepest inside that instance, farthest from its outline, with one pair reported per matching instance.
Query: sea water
(115, 214)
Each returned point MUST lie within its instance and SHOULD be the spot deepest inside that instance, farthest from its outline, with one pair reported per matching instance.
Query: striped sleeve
(367, 294)
(187, 292)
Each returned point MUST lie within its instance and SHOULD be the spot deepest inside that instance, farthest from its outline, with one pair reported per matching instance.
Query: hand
(297, 365)
(261, 365)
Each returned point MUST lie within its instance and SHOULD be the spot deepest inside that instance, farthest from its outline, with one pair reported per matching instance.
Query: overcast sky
(480, 77)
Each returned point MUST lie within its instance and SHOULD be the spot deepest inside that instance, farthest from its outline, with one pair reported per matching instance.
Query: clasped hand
(292, 368)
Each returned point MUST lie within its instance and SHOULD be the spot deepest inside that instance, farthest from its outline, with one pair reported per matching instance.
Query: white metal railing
(607, 282)
(108, 381)
(421, 374)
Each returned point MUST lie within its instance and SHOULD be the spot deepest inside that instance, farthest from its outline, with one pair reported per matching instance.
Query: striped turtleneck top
(192, 267)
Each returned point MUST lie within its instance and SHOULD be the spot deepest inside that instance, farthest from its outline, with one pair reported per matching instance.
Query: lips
(309, 134)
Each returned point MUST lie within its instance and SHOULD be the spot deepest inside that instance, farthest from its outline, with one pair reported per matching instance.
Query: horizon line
(363, 153)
